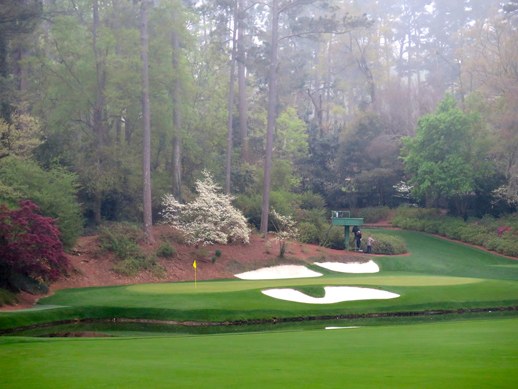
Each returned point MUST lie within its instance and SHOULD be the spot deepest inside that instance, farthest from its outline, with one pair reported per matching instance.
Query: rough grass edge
(495, 234)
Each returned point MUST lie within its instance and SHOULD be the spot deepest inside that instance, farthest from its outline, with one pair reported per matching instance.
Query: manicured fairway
(461, 354)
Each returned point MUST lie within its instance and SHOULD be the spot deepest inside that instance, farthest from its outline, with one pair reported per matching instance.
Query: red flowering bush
(29, 246)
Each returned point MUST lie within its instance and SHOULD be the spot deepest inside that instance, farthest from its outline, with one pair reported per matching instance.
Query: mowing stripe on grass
(234, 286)
(461, 354)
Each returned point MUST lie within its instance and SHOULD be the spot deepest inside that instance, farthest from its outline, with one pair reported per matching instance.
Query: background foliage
(496, 234)
(370, 97)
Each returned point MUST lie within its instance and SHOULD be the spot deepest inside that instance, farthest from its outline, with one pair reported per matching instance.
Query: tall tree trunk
(20, 70)
(177, 120)
(410, 107)
(98, 109)
(230, 104)
(325, 107)
(98, 124)
(17, 19)
(146, 117)
(5, 107)
(272, 117)
(241, 77)
(97, 203)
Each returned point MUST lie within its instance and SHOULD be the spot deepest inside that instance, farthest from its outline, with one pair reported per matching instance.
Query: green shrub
(404, 222)
(413, 212)
(335, 238)
(121, 239)
(129, 267)
(306, 207)
(54, 191)
(492, 243)
(6, 297)
(479, 239)
(508, 247)
(251, 208)
(452, 228)
(132, 266)
(511, 221)
(487, 222)
(385, 244)
(473, 234)
(315, 216)
(431, 226)
(310, 200)
(285, 203)
(372, 214)
(309, 233)
(216, 255)
(166, 251)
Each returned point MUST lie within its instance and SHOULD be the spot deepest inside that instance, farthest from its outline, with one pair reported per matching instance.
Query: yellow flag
(194, 264)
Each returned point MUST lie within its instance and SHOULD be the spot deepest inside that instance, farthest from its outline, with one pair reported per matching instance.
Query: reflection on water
(136, 329)
(117, 329)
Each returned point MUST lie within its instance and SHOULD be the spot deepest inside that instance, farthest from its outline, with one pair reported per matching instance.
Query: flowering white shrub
(209, 219)
(286, 230)
(506, 194)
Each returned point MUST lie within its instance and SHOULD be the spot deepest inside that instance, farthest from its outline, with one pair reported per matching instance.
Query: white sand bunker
(333, 294)
(353, 267)
(279, 272)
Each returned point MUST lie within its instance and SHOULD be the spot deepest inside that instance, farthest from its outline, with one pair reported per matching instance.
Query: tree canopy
(443, 159)
(280, 97)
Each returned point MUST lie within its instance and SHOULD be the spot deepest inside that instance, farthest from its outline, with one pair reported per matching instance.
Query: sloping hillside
(94, 267)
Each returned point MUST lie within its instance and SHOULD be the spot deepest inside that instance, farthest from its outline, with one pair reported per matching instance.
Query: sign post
(343, 218)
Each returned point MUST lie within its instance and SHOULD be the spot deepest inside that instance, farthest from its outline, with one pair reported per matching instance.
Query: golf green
(232, 286)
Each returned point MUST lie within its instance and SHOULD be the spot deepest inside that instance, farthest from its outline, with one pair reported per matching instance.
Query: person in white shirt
(370, 240)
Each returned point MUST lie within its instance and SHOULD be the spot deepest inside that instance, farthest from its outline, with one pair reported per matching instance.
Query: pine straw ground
(94, 267)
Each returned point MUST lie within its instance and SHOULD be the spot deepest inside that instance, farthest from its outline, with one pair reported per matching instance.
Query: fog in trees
(282, 101)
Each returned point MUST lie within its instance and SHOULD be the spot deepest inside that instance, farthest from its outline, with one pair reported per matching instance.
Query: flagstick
(195, 266)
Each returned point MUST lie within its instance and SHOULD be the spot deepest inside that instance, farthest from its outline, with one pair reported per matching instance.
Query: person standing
(370, 240)
(355, 231)
(358, 240)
